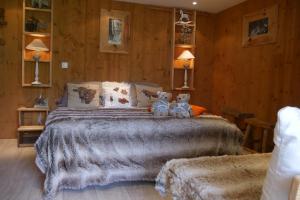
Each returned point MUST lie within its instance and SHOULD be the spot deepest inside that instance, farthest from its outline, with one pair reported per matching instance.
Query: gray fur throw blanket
(83, 147)
(214, 178)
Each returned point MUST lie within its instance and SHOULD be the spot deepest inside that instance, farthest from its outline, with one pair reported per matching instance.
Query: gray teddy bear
(161, 106)
(181, 108)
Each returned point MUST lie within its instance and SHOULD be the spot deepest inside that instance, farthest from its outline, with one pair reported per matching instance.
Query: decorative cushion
(285, 161)
(83, 95)
(146, 94)
(197, 110)
(117, 95)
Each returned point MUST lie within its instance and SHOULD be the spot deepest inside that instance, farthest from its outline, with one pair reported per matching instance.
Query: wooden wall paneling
(10, 70)
(205, 35)
(257, 79)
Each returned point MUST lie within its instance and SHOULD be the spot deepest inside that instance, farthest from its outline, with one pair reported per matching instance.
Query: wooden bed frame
(295, 189)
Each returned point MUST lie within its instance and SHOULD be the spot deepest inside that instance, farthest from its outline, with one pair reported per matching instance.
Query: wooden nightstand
(28, 130)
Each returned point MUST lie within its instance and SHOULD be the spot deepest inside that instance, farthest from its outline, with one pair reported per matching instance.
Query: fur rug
(217, 178)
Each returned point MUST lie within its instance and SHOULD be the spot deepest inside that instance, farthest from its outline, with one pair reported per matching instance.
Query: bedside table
(28, 130)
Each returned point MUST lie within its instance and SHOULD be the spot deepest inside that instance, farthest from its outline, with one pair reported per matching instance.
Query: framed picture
(41, 4)
(114, 31)
(261, 27)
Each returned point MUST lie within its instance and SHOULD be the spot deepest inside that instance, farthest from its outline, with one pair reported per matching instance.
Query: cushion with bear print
(84, 95)
(146, 94)
(117, 95)
(62, 101)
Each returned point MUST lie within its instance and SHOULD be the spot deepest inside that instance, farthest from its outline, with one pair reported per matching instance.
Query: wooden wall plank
(258, 79)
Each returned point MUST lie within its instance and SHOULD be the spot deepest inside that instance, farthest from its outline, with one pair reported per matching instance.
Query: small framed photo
(261, 27)
(114, 31)
(41, 4)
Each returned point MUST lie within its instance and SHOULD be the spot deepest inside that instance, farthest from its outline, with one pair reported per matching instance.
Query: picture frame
(114, 31)
(40, 4)
(261, 27)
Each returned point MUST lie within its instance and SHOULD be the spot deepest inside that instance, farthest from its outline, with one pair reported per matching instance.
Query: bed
(83, 147)
(223, 177)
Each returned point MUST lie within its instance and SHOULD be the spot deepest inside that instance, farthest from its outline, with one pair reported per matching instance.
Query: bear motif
(86, 95)
(161, 106)
(181, 108)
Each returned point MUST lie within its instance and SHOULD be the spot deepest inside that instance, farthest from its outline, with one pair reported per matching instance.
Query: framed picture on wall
(114, 31)
(261, 27)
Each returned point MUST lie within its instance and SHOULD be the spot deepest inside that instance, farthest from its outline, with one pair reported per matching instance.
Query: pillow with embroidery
(83, 95)
(146, 94)
(63, 100)
(116, 95)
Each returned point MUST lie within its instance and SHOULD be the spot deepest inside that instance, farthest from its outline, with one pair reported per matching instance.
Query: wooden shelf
(24, 109)
(184, 24)
(182, 68)
(38, 9)
(45, 16)
(28, 131)
(38, 86)
(37, 34)
(25, 145)
(41, 61)
(31, 128)
(184, 89)
(182, 40)
(190, 46)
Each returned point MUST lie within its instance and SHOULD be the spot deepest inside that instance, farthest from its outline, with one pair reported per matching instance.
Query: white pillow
(117, 95)
(146, 94)
(83, 95)
(285, 161)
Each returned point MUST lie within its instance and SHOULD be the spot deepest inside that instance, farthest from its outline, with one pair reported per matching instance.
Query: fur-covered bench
(223, 178)
(253, 176)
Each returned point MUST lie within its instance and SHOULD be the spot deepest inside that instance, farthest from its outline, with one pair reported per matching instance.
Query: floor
(21, 180)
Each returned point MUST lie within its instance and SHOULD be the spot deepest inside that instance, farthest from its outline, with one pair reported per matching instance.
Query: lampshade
(37, 45)
(186, 55)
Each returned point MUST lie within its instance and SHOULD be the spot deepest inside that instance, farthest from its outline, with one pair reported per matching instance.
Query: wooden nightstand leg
(264, 141)
(19, 138)
(247, 134)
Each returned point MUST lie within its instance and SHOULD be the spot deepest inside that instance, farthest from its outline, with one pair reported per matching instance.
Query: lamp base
(185, 87)
(36, 83)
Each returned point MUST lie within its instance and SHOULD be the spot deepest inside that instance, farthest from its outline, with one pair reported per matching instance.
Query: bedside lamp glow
(186, 56)
(37, 46)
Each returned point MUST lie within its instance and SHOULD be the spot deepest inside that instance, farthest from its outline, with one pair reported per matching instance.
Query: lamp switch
(64, 65)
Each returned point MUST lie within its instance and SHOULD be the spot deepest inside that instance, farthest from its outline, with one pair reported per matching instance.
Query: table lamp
(37, 46)
(186, 56)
